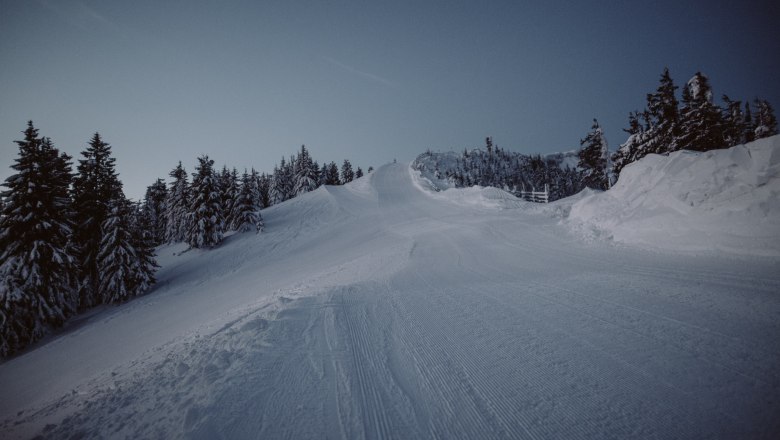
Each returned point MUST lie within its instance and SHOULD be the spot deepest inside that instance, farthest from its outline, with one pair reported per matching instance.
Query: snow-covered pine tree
(663, 112)
(306, 176)
(749, 133)
(96, 185)
(116, 258)
(37, 288)
(230, 188)
(765, 121)
(733, 122)
(206, 217)
(633, 146)
(332, 177)
(177, 206)
(701, 127)
(358, 173)
(593, 159)
(246, 216)
(264, 191)
(276, 187)
(654, 130)
(144, 265)
(282, 184)
(154, 210)
(347, 175)
(323, 176)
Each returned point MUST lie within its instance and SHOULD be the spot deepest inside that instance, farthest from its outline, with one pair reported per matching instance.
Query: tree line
(70, 241)
(509, 170)
(695, 122)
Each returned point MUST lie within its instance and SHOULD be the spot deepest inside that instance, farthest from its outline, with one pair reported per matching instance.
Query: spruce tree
(358, 173)
(246, 216)
(143, 243)
(264, 191)
(206, 216)
(154, 210)
(593, 159)
(117, 258)
(749, 130)
(37, 289)
(347, 175)
(332, 177)
(95, 187)
(765, 121)
(662, 108)
(282, 185)
(733, 122)
(306, 176)
(701, 126)
(177, 207)
(230, 190)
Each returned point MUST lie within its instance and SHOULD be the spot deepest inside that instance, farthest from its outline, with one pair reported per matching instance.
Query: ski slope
(381, 310)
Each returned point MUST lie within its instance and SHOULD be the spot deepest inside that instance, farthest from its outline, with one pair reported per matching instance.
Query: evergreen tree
(36, 286)
(370, 169)
(143, 242)
(700, 120)
(230, 190)
(749, 130)
(323, 175)
(347, 175)
(765, 120)
(95, 187)
(154, 210)
(282, 184)
(206, 217)
(264, 191)
(593, 159)
(634, 147)
(177, 207)
(117, 258)
(733, 122)
(332, 177)
(358, 173)
(246, 217)
(663, 112)
(306, 176)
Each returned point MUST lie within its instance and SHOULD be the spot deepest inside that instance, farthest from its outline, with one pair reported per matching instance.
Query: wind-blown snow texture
(382, 310)
(717, 201)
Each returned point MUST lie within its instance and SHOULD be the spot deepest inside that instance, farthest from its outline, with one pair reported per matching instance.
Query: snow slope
(382, 310)
(718, 201)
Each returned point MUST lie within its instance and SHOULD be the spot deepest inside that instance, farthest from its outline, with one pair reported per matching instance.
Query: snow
(382, 309)
(724, 201)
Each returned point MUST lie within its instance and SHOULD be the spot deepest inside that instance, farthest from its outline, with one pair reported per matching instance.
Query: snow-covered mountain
(385, 309)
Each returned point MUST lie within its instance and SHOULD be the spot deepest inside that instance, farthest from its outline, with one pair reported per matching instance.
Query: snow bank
(716, 201)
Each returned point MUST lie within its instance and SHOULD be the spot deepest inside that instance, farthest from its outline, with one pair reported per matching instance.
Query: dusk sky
(248, 82)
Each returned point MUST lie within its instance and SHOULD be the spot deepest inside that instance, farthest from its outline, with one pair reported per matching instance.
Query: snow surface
(381, 309)
(725, 201)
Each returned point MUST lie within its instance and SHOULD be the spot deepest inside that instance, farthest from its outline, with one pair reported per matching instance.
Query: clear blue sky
(249, 81)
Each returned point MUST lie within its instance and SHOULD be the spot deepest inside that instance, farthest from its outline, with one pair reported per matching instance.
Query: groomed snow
(725, 201)
(381, 309)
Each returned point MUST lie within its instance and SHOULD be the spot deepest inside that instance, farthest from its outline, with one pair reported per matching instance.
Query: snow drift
(715, 201)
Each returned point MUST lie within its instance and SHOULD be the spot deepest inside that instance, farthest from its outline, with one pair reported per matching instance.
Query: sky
(248, 82)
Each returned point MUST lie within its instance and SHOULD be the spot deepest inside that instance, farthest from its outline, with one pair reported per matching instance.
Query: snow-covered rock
(717, 201)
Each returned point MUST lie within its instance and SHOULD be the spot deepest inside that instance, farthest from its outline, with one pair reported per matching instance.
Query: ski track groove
(374, 414)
